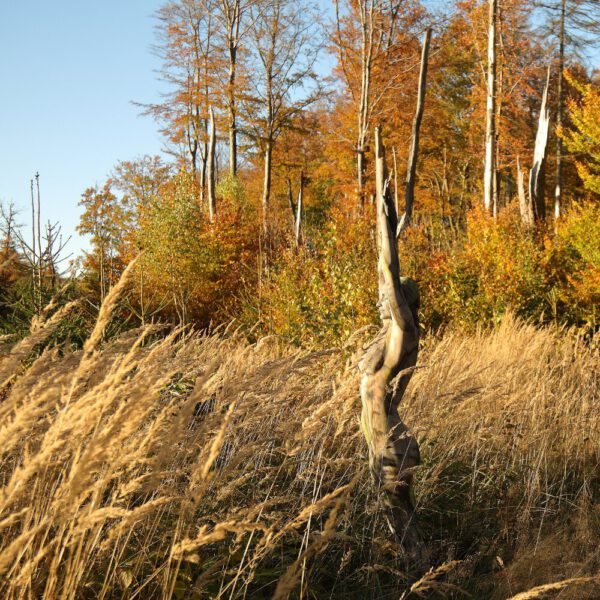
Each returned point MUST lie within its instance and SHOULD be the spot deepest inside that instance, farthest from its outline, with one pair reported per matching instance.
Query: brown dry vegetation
(183, 465)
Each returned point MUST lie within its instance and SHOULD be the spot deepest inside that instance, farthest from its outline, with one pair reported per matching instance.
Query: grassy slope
(195, 466)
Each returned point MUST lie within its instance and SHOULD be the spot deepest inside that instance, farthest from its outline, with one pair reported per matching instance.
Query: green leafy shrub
(573, 265)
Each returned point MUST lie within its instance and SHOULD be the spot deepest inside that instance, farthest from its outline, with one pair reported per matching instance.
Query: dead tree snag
(411, 171)
(386, 368)
(537, 176)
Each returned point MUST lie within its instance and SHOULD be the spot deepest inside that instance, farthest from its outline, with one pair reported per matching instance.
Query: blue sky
(69, 71)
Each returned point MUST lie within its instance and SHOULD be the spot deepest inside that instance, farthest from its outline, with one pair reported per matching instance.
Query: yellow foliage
(583, 138)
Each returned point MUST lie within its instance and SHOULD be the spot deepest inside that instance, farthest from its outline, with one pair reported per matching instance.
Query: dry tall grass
(184, 465)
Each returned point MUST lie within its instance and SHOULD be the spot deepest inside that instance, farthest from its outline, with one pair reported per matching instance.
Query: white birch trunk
(490, 130)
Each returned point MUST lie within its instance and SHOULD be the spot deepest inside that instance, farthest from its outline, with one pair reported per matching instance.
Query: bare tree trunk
(525, 207)
(291, 200)
(360, 175)
(202, 174)
(142, 303)
(395, 179)
(102, 273)
(192, 141)
(39, 241)
(49, 262)
(559, 114)
(537, 175)
(490, 130)
(231, 18)
(445, 192)
(496, 188)
(386, 368)
(411, 173)
(33, 252)
(232, 136)
(212, 202)
(297, 228)
(366, 11)
(231, 106)
(267, 186)
(498, 95)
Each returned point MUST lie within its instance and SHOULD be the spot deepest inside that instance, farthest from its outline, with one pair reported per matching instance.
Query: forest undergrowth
(177, 464)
